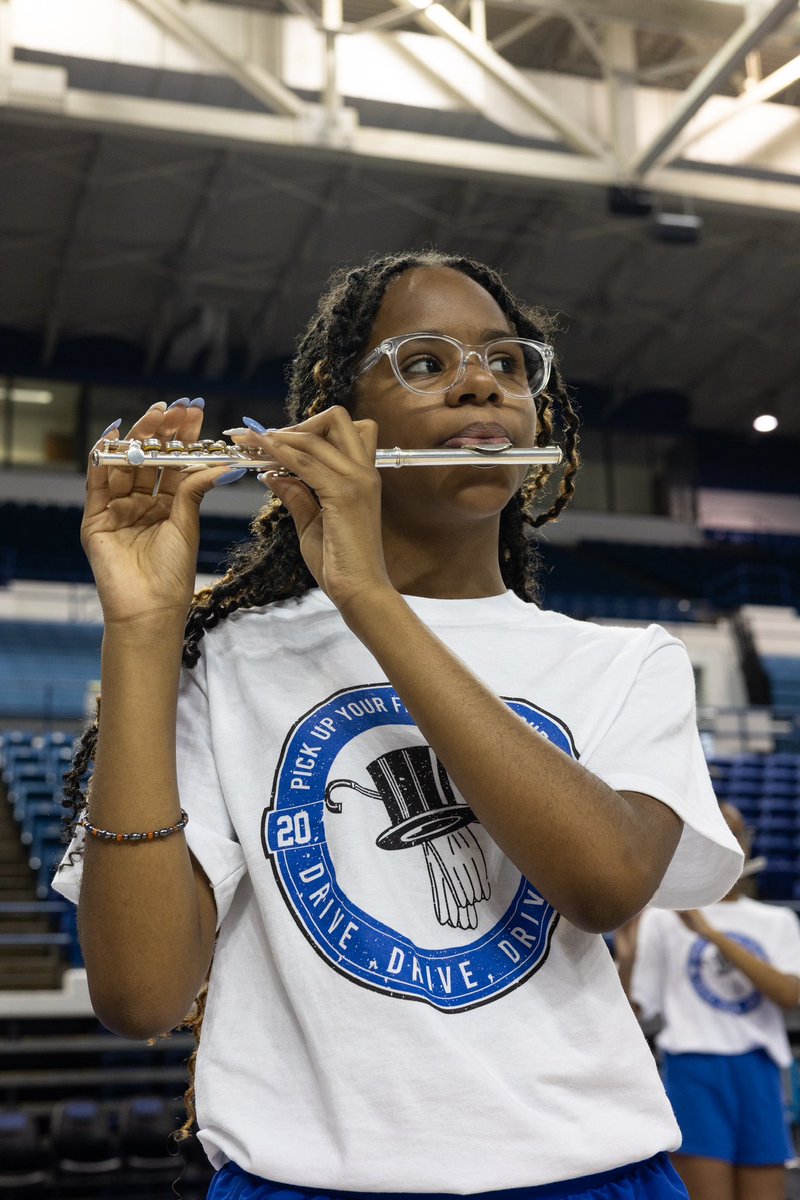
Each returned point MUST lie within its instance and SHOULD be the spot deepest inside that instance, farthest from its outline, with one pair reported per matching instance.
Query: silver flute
(151, 452)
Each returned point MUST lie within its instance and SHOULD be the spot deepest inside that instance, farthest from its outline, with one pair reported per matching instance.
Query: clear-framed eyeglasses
(428, 363)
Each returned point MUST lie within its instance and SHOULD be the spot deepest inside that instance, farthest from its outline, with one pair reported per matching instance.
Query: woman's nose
(477, 384)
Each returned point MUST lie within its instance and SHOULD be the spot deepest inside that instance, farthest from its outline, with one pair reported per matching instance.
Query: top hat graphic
(417, 793)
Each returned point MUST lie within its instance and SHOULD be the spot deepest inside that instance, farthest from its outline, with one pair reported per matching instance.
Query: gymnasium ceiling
(180, 177)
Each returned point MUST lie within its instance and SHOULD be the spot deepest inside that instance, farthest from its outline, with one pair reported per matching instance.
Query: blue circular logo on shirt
(385, 868)
(718, 982)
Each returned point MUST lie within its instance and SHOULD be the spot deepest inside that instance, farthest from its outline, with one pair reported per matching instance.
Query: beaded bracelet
(109, 836)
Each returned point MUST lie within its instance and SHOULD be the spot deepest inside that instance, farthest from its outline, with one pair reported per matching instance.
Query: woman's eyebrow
(489, 335)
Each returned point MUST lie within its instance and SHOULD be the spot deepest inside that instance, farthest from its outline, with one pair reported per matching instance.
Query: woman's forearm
(596, 855)
(146, 926)
(776, 985)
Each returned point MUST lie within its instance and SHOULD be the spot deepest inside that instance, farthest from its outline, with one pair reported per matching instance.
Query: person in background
(720, 979)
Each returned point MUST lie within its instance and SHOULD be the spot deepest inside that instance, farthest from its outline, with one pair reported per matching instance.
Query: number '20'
(293, 829)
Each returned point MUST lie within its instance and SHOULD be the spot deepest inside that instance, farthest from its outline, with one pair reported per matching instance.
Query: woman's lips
(463, 441)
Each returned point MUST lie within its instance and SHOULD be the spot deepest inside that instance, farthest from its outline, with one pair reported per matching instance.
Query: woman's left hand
(335, 499)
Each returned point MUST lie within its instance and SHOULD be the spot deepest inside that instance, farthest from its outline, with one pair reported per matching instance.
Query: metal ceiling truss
(747, 37)
(580, 155)
(436, 19)
(176, 18)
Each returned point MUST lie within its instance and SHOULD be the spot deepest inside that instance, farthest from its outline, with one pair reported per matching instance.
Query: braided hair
(269, 566)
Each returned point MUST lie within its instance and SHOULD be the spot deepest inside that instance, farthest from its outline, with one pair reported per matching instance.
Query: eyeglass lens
(432, 364)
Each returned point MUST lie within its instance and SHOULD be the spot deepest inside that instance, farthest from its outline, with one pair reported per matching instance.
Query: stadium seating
(32, 769)
(85, 1114)
(46, 668)
(42, 542)
(766, 788)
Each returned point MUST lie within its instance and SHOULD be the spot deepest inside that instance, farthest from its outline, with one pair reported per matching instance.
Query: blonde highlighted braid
(268, 568)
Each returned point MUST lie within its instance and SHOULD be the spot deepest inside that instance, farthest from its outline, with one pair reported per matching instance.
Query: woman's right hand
(143, 548)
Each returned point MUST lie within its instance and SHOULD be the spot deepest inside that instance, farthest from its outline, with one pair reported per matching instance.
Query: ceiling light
(23, 395)
(683, 228)
(765, 423)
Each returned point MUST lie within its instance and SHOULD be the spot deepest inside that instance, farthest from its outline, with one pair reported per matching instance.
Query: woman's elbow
(137, 1017)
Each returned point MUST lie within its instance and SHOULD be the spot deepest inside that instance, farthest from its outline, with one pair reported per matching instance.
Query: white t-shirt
(392, 1006)
(707, 1005)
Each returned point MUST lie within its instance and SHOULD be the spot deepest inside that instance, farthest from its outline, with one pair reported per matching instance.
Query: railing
(755, 730)
(49, 701)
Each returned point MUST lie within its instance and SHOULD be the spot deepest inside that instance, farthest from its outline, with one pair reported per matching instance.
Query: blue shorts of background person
(729, 1107)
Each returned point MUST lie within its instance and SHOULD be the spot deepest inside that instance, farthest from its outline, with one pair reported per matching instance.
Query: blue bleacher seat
(785, 759)
(146, 1124)
(779, 788)
(82, 1139)
(778, 879)
(745, 771)
(775, 845)
(777, 823)
(46, 667)
(742, 791)
(37, 816)
(23, 1155)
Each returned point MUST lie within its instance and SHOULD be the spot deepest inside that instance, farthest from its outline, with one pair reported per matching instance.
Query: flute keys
(135, 454)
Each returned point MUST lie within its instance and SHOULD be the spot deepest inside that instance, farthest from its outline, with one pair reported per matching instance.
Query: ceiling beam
(6, 43)
(757, 93)
(301, 9)
(458, 88)
(587, 37)
(519, 29)
(620, 45)
(439, 20)
(750, 34)
(430, 154)
(705, 17)
(177, 20)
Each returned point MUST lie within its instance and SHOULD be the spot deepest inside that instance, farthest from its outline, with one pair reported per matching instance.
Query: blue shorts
(654, 1179)
(729, 1106)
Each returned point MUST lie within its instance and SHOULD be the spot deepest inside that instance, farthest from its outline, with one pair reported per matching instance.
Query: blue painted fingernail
(182, 402)
(231, 476)
(114, 425)
(198, 402)
(254, 426)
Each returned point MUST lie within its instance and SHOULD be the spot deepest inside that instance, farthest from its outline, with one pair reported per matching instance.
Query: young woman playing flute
(397, 803)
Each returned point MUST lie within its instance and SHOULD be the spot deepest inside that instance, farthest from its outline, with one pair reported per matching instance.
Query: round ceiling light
(765, 423)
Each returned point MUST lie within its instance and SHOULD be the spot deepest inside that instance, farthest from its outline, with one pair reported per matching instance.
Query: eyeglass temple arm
(372, 358)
